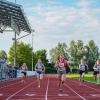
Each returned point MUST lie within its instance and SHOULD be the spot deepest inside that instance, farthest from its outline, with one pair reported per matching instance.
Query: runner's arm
(43, 67)
(35, 67)
(26, 68)
(56, 65)
(94, 67)
(78, 67)
(66, 64)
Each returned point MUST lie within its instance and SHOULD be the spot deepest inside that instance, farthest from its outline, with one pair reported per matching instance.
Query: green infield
(87, 77)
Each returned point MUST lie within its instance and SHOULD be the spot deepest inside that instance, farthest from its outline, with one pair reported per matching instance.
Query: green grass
(87, 77)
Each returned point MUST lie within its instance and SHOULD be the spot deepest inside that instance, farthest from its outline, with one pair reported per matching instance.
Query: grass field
(88, 77)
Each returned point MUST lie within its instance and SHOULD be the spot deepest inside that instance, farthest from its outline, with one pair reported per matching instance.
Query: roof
(10, 10)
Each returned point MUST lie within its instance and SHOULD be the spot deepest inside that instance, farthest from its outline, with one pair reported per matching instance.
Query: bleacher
(8, 72)
(3, 69)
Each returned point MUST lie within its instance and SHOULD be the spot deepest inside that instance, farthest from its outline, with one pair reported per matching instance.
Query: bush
(74, 70)
(68, 70)
(50, 70)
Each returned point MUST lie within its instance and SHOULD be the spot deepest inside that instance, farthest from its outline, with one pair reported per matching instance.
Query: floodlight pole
(32, 49)
(15, 43)
(15, 1)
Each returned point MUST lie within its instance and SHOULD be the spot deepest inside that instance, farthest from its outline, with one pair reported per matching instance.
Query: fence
(7, 72)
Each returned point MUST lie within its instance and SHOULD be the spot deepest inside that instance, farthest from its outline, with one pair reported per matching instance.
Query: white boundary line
(75, 92)
(46, 94)
(8, 98)
(87, 86)
(90, 82)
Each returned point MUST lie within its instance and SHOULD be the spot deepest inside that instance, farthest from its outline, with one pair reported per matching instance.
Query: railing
(7, 73)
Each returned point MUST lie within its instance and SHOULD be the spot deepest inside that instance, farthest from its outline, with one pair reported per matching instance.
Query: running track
(15, 90)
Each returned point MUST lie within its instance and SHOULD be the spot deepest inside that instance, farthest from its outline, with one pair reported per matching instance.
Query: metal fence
(3, 71)
(7, 72)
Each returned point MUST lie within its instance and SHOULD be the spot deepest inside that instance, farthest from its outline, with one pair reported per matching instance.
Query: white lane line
(90, 82)
(46, 94)
(87, 86)
(30, 94)
(95, 95)
(19, 91)
(63, 95)
(75, 92)
(1, 94)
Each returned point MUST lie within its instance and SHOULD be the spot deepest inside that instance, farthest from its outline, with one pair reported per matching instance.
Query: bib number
(61, 64)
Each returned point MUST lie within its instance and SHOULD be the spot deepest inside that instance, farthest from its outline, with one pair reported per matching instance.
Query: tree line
(77, 50)
(24, 53)
(73, 53)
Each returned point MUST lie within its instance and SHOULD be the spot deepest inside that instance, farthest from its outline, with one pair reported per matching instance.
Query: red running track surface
(15, 90)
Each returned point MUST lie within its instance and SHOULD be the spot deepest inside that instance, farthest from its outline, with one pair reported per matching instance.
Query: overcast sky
(58, 21)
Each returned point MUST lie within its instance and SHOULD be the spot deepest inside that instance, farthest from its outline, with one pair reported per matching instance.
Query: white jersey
(39, 66)
(97, 68)
(82, 67)
(24, 68)
(61, 64)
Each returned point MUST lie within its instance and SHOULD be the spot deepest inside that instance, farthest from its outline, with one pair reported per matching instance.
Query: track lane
(49, 90)
(83, 90)
(54, 94)
(32, 92)
(6, 84)
(91, 85)
(10, 89)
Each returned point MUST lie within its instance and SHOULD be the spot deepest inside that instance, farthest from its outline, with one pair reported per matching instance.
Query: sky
(58, 21)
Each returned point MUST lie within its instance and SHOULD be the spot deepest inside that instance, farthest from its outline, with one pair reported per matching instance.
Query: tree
(40, 54)
(92, 54)
(24, 54)
(57, 51)
(80, 52)
(3, 54)
(72, 49)
(80, 44)
(94, 50)
(77, 50)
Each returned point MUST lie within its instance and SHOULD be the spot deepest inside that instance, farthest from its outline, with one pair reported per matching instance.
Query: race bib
(82, 67)
(98, 68)
(39, 67)
(61, 64)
